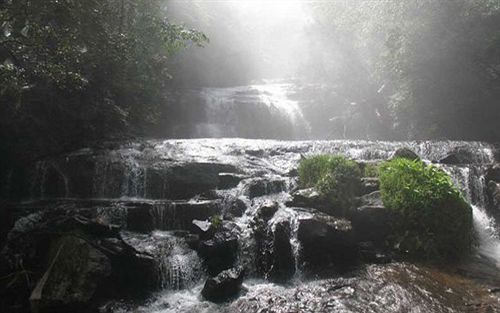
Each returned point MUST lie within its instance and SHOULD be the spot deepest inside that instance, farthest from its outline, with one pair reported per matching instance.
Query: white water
(487, 232)
(255, 111)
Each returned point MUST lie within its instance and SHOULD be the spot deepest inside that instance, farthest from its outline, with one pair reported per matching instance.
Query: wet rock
(267, 209)
(369, 184)
(167, 215)
(371, 221)
(405, 153)
(283, 264)
(233, 207)
(493, 173)
(224, 286)
(306, 198)
(229, 180)
(459, 155)
(204, 229)
(494, 198)
(326, 240)
(369, 253)
(264, 186)
(219, 253)
(187, 180)
(72, 278)
(293, 173)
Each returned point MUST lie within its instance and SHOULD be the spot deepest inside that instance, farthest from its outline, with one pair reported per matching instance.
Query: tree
(76, 71)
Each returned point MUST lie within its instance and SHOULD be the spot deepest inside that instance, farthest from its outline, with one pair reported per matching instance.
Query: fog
(385, 69)
(249, 40)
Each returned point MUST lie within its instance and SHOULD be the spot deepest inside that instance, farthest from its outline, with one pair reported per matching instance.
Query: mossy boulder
(433, 221)
(337, 179)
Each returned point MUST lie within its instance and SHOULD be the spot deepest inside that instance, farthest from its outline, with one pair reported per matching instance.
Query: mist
(249, 40)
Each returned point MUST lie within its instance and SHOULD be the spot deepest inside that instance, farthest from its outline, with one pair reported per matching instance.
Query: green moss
(433, 221)
(336, 178)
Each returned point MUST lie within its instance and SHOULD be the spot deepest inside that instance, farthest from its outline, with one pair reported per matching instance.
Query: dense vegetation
(336, 178)
(433, 221)
(430, 68)
(76, 71)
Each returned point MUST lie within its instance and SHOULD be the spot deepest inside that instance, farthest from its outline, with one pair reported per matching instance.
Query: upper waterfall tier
(180, 169)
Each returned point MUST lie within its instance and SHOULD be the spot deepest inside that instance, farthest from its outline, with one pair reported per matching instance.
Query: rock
(187, 180)
(369, 184)
(326, 240)
(293, 173)
(264, 186)
(224, 286)
(73, 276)
(168, 215)
(204, 229)
(219, 253)
(493, 173)
(267, 209)
(371, 221)
(459, 155)
(306, 198)
(283, 261)
(229, 180)
(369, 253)
(493, 193)
(405, 153)
(371, 199)
(233, 207)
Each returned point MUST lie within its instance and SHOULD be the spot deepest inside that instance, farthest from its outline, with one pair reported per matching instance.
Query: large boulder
(326, 240)
(187, 180)
(229, 180)
(219, 253)
(371, 221)
(264, 186)
(459, 155)
(74, 274)
(405, 153)
(224, 286)
(307, 198)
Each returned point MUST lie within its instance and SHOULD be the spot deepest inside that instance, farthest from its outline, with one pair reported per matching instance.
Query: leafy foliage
(335, 177)
(431, 68)
(433, 221)
(76, 71)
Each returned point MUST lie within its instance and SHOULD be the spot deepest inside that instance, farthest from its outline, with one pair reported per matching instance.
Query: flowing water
(128, 174)
(167, 177)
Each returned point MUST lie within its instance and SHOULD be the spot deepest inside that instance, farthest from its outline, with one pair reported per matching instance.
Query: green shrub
(336, 178)
(433, 221)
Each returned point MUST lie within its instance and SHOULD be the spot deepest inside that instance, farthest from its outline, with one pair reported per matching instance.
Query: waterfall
(163, 215)
(179, 266)
(256, 111)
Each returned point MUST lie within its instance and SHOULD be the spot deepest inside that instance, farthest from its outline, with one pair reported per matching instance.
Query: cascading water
(257, 111)
(144, 177)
